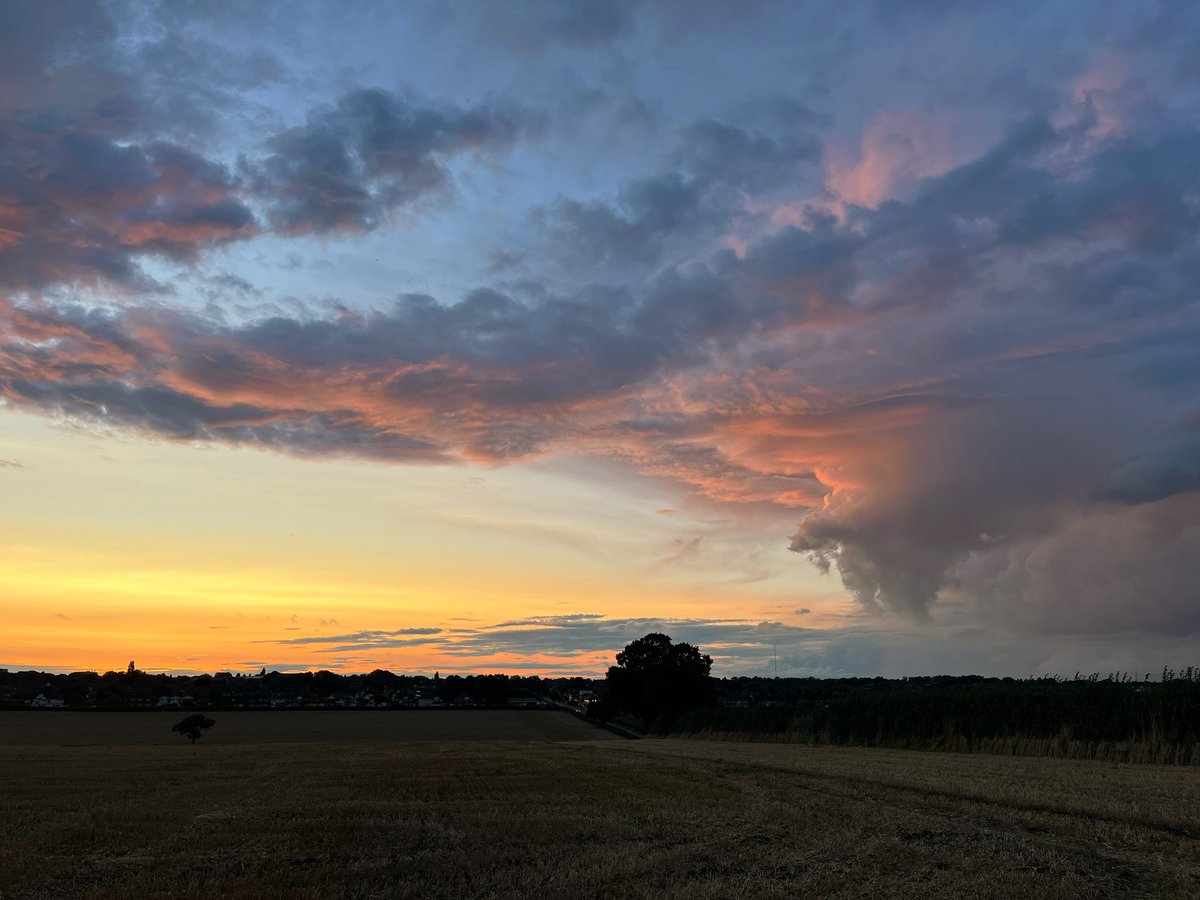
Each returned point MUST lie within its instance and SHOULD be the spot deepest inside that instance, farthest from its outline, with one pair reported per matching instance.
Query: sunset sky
(490, 336)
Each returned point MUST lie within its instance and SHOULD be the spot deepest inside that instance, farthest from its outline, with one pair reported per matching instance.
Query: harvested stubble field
(656, 818)
(297, 726)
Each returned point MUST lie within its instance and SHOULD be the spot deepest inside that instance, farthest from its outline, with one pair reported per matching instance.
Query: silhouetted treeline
(1117, 717)
(135, 689)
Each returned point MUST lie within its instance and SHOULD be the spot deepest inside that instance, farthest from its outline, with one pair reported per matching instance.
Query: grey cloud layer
(716, 165)
(80, 203)
(353, 163)
(101, 167)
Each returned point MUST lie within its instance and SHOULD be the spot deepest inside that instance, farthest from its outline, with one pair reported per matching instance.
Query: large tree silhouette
(655, 677)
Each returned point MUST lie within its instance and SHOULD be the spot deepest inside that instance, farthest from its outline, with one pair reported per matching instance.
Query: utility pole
(775, 658)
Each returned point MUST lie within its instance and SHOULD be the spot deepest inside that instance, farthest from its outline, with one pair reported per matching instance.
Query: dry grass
(656, 818)
(1155, 752)
(82, 729)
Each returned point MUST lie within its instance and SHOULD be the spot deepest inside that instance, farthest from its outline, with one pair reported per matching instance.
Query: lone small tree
(655, 677)
(193, 726)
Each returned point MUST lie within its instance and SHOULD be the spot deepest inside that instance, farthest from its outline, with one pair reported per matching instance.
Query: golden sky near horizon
(201, 557)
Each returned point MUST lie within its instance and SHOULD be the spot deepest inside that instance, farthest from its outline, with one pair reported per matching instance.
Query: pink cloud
(899, 148)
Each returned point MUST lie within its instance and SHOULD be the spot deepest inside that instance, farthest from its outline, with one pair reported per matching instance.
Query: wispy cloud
(589, 643)
(556, 635)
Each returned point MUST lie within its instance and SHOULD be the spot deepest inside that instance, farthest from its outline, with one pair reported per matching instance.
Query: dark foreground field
(80, 729)
(654, 818)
